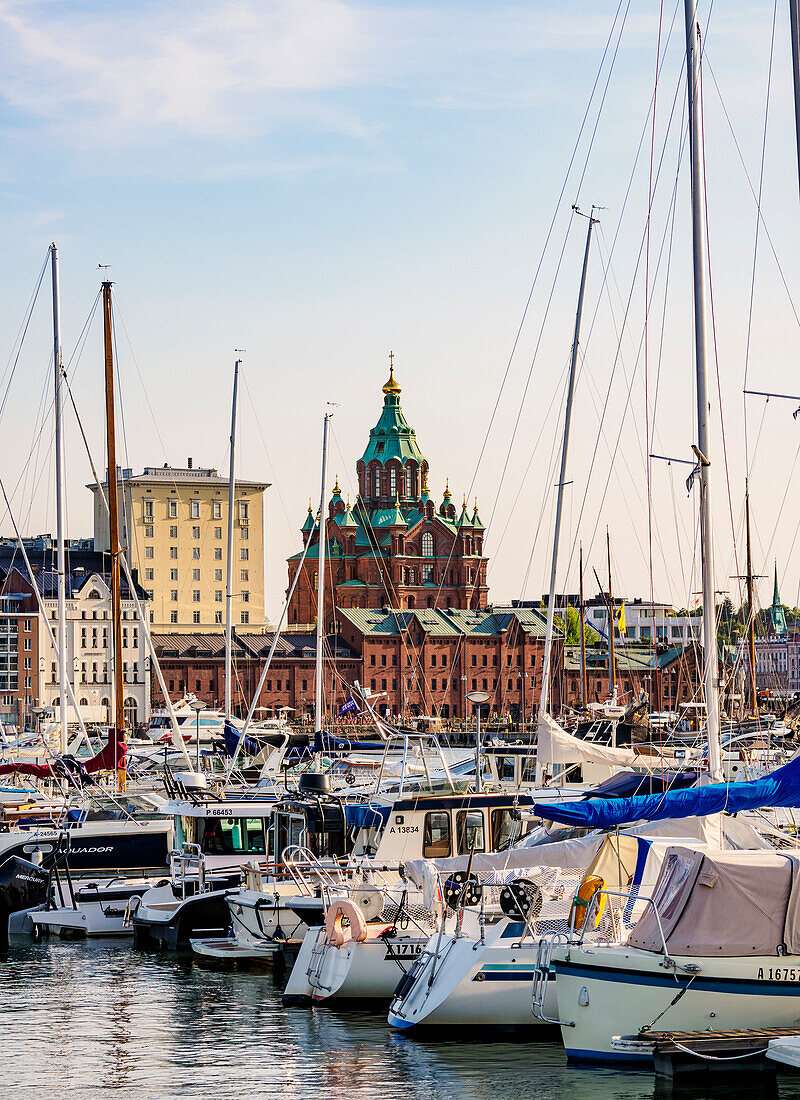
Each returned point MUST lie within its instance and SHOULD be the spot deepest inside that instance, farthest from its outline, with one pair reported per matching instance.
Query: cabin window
(436, 836)
(233, 835)
(469, 831)
(505, 768)
(505, 829)
(529, 769)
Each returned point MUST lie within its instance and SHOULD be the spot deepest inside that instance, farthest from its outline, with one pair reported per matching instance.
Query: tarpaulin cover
(722, 904)
(780, 788)
(361, 816)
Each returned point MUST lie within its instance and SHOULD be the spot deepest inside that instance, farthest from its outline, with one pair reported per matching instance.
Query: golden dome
(391, 385)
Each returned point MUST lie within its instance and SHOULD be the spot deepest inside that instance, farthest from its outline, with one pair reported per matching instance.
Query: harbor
(478, 775)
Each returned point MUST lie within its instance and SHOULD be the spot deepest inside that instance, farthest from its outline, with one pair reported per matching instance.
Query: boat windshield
(232, 836)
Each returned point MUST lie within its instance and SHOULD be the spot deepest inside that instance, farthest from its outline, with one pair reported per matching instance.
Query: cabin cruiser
(214, 839)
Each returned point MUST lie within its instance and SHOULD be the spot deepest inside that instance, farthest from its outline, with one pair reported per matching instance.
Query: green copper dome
(392, 436)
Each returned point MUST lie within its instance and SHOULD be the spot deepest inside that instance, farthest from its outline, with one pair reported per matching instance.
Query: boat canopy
(723, 904)
(359, 815)
(624, 784)
(779, 788)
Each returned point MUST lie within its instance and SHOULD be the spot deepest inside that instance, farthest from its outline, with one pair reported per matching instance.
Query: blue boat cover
(780, 788)
(361, 816)
(231, 735)
(629, 783)
(326, 743)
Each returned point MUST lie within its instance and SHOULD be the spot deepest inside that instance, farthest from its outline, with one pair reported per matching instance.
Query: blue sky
(320, 181)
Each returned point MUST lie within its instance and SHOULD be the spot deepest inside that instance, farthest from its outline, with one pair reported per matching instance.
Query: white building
(89, 665)
(645, 620)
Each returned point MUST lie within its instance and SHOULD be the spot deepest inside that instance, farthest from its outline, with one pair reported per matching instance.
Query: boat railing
(185, 862)
(622, 918)
(301, 862)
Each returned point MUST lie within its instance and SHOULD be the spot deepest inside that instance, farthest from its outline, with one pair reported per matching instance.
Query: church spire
(776, 611)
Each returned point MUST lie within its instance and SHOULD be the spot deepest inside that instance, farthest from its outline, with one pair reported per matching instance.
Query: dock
(678, 1052)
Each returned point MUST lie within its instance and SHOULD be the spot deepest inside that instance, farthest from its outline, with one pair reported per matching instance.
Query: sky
(320, 182)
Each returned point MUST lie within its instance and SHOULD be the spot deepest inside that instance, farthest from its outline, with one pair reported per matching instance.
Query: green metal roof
(450, 622)
(392, 436)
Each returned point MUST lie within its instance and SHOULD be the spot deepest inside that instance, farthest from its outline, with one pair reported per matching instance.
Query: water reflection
(86, 1018)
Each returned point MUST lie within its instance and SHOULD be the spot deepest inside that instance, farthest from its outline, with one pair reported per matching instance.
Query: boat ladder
(541, 976)
(315, 962)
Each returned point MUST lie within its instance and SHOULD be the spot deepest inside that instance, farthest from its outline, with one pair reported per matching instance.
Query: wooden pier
(679, 1052)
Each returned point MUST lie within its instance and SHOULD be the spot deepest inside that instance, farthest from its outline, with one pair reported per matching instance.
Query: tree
(572, 631)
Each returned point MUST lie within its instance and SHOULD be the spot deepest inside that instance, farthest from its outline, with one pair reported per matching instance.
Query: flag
(621, 619)
(350, 707)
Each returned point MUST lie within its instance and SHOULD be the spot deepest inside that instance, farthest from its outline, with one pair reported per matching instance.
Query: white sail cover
(556, 746)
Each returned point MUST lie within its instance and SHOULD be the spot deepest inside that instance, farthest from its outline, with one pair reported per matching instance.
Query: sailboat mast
(612, 655)
(60, 547)
(229, 584)
(551, 601)
(319, 699)
(794, 19)
(703, 450)
(751, 631)
(118, 715)
(584, 685)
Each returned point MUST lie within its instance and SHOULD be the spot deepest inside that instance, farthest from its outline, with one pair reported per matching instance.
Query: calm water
(80, 1020)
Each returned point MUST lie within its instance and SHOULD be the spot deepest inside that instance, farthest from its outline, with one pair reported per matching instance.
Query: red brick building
(394, 548)
(19, 651)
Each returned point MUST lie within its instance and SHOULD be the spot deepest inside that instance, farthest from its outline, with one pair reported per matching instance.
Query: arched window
(412, 602)
(427, 545)
(377, 481)
(393, 482)
(409, 490)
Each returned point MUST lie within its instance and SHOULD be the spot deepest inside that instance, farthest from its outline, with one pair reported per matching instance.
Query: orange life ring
(337, 936)
(583, 899)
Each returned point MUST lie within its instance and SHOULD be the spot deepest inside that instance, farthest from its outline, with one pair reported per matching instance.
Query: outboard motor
(23, 885)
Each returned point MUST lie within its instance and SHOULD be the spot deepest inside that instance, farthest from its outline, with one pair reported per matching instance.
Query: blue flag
(350, 707)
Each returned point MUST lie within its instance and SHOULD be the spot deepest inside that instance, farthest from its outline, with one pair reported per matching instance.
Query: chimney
(189, 463)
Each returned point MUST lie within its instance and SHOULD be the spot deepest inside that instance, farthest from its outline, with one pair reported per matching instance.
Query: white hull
(616, 991)
(476, 985)
(367, 971)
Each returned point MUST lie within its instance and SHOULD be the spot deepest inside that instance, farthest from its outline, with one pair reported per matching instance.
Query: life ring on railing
(583, 899)
(337, 936)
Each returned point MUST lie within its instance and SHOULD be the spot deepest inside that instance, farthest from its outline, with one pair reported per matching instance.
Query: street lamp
(479, 697)
(197, 706)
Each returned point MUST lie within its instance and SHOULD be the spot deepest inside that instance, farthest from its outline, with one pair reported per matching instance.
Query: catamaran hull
(615, 993)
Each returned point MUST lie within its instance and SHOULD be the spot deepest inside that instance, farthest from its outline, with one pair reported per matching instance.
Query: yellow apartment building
(174, 527)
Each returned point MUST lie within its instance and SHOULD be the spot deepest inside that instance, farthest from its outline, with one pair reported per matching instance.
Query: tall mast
(61, 555)
(703, 449)
(319, 700)
(229, 584)
(612, 657)
(794, 19)
(551, 602)
(118, 716)
(751, 631)
(584, 685)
